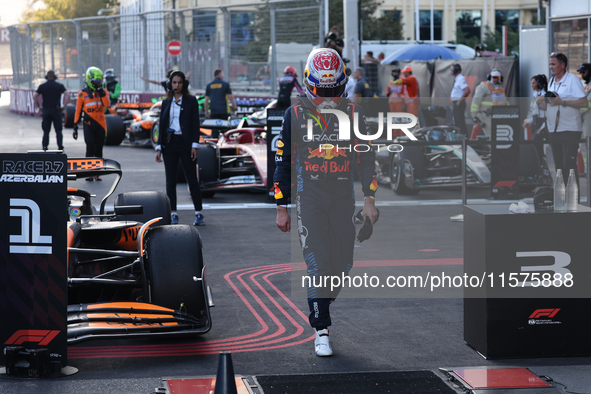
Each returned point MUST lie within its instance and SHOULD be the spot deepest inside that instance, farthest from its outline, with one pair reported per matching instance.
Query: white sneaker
(322, 344)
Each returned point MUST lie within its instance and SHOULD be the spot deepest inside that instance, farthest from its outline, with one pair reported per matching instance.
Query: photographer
(562, 103)
(334, 41)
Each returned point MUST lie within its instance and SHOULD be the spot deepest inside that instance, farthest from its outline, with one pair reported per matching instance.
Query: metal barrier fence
(252, 43)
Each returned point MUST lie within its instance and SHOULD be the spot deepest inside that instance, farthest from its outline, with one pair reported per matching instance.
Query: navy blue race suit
(324, 194)
(286, 85)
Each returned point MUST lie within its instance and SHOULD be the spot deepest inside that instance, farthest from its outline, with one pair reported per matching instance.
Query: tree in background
(64, 9)
(467, 30)
(493, 41)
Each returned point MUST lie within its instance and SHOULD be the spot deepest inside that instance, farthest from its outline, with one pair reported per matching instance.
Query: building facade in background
(569, 30)
(464, 17)
(5, 59)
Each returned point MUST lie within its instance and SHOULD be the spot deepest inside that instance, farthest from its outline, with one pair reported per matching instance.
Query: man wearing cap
(411, 86)
(52, 108)
(488, 94)
(459, 93)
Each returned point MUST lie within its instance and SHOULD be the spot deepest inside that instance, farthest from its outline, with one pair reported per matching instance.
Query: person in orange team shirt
(412, 88)
(90, 106)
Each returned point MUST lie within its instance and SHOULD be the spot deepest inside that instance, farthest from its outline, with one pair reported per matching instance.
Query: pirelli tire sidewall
(174, 263)
(414, 154)
(115, 130)
(155, 133)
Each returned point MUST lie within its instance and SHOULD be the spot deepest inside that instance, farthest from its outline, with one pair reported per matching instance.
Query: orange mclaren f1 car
(131, 273)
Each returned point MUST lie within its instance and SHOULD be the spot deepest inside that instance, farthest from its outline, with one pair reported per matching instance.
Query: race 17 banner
(33, 253)
(505, 156)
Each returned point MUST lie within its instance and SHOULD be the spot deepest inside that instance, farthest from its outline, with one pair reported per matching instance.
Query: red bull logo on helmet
(327, 77)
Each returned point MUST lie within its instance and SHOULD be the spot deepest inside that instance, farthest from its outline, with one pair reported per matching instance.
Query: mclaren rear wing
(94, 166)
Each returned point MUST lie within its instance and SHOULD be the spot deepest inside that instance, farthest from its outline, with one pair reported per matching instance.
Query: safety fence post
(51, 45)
(464, 180)
(273, 52)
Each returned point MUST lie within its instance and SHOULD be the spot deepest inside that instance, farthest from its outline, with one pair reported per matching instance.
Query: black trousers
(49, 117)
(94, 136)
(565, 147)
(172, 152)
(459, 109)
(327, 237)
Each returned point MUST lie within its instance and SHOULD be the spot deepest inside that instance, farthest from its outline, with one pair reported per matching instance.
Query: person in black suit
(179, 139)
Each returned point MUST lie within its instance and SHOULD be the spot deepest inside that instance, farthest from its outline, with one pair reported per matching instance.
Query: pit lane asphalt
(266, 332)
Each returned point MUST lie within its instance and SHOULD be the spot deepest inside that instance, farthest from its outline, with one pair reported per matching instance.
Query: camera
(549, 95)
(331, 37)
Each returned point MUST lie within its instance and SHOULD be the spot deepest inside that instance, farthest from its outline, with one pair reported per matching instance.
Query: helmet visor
(335, 91)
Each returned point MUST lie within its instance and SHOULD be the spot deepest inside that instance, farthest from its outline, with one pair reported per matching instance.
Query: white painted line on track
(405, 203)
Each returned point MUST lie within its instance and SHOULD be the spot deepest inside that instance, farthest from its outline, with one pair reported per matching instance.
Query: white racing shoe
(322, 344)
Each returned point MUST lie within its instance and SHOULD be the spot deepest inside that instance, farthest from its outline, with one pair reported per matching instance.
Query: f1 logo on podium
(30, 240)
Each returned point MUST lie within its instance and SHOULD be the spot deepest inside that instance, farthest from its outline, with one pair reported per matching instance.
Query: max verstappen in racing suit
(324, 196)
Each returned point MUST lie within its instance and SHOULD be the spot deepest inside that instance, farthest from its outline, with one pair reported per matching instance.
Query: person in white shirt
(350, 87)
(459, 93)
(178, 140)
(563, 114)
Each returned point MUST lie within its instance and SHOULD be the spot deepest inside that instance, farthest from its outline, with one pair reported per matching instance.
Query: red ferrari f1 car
(131, 273)
(238, 159)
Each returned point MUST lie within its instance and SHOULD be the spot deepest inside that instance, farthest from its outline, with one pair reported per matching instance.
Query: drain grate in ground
(401, 382)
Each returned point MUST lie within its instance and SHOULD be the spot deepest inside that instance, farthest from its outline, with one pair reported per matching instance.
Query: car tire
(154, 134)
(208, 161)
(115, 130)
(397, 174)
(156, 204)
(69, 114)
(174, 258)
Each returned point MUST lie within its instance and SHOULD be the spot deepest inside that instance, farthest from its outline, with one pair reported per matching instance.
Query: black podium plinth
(509, 316)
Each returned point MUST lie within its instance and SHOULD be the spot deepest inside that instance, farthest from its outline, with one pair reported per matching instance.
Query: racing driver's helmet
(94, 78)
(109, 74)
(289, 70)
(325, 77)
